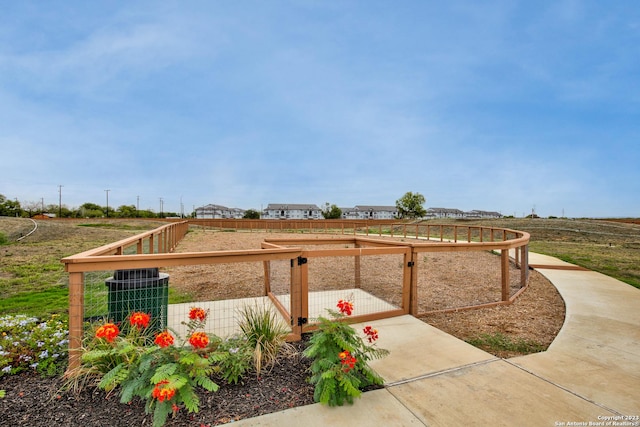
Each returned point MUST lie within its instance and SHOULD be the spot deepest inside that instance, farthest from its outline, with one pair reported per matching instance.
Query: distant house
(476, 214)
(218, 212)
(291, 211)
(444, 213)
(369, 212)
(433, 213)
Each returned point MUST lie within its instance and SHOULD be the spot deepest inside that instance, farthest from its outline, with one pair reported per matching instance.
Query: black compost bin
(145, 290)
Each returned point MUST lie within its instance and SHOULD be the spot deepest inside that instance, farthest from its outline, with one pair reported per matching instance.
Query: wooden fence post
(358, 277)
(524, 264)
(76, 315)
(504, 258)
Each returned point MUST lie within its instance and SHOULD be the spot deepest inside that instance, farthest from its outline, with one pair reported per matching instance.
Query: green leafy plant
(265, 332)
(233, 358)
(163, 374)
(339, 370)
(33, 344)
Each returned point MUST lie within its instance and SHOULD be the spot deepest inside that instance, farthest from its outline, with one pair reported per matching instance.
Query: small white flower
(6, 369)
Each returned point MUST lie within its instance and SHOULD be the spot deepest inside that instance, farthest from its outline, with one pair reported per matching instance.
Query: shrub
(32, 344)
(339, 368)
(163, 374)
(233, 358)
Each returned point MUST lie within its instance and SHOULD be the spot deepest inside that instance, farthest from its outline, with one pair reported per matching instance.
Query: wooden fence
(154, 249)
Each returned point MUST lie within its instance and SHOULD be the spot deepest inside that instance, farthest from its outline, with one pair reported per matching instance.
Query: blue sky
(504, 106)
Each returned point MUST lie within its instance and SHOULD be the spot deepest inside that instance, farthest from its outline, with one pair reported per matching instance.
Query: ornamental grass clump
(339, 370)
(265, 332)
(165, 374)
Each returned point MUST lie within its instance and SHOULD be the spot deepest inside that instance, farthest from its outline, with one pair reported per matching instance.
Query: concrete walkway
(589, 375)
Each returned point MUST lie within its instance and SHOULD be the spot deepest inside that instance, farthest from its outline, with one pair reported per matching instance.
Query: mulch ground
(34, 401)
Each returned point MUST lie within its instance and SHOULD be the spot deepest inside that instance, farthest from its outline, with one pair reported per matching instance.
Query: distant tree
(331, 211)
(410, 205)
(9, 207)
(145, 213)
(60, 211)
(127, 211)
(32, 208)
(91, 210)
(251, 214)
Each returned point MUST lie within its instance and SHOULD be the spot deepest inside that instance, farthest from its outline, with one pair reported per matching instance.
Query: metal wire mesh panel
(96, 305)
(223, 289)
(374, 283)
(113, 296)
(279, 272)
(449, 280)
(382, 276)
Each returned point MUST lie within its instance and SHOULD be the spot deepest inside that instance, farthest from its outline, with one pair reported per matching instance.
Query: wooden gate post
(295, 307)
(411, 270)
(299, 291)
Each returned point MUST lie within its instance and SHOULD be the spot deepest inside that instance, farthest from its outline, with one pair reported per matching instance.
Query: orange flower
(139, 319)
(347, 360)
(199, 340)
(164, 339)
(108, 331)
(197, 313)
(163, 393)
(345, 307)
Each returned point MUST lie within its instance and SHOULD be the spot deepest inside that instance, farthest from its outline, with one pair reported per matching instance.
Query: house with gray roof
(291, 211)
(212, 211)
(369, 212)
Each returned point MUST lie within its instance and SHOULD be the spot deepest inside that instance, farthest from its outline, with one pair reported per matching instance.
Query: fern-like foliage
(114, 377)
(340, 379)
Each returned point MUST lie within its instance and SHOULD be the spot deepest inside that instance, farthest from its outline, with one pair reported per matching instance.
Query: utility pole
(107, 191)
(137, 205)
(60, 201)
(161, 207)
